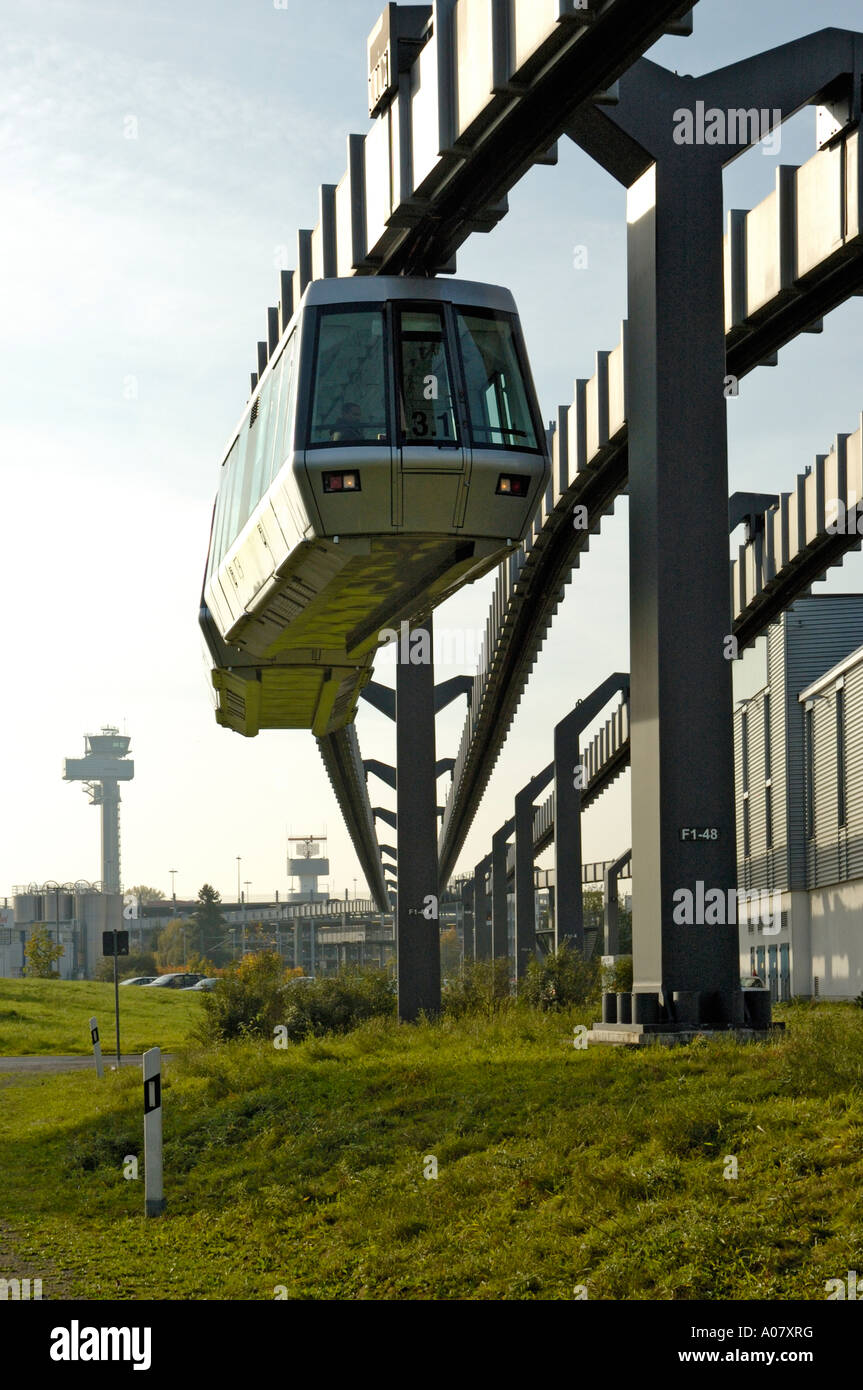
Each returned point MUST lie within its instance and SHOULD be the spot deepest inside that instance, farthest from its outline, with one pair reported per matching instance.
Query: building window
(747, 848)
(744, 749)
(767, 771)
(768, 814)
(840, 756)
(809, 737)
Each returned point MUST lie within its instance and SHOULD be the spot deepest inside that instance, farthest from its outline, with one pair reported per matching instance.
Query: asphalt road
(48, 1064)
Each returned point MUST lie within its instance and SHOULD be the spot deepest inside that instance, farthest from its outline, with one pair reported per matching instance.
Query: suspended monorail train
(392, 451)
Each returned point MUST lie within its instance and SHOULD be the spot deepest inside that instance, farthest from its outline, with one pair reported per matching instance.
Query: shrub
(483, 989)
(560, 980)
(336, 1003)
(617, 978)
(255, 997)
(247, 1001)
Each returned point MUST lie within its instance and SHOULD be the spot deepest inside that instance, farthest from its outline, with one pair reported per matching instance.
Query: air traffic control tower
(306, 864)
(102, 769)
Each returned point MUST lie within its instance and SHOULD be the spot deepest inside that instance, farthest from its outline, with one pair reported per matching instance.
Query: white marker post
(97, 1048)
(152, 1063)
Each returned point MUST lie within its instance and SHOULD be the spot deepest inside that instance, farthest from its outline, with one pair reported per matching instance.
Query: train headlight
(513, 485)
(342, 482)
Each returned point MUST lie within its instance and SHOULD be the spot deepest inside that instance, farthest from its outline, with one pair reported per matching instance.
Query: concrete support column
(612, 910)
(525, 892)
(681, 701)
(499, 907)
(417, 927)
(568, 786)
(481, 910)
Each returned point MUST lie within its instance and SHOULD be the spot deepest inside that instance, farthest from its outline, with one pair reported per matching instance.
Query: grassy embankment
(52, 1016)
(304, 1168)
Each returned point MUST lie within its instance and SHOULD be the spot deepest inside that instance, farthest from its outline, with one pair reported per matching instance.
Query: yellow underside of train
(312, 640)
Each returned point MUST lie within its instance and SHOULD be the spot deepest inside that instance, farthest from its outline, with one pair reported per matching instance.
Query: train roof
(361, 289)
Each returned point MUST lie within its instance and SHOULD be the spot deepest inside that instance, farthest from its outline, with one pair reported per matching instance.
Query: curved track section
(343, 761)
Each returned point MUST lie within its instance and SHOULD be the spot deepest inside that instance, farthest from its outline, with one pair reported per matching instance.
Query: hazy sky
(135, 274)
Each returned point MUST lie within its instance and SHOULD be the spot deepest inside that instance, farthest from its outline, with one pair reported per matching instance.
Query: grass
(303, 1170)
(52, 1017)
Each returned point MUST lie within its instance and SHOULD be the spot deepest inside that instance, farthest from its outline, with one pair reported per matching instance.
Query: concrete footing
(637, 1035)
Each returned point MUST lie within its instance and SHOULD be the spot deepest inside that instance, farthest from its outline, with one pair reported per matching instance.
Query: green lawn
(557, 1168)
(52, 1016)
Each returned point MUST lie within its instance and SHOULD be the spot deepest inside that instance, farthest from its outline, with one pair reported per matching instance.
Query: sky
(155, 161)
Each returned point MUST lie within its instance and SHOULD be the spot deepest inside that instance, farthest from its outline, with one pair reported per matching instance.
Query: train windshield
(500, 416)
(425, 384)
(350, 375)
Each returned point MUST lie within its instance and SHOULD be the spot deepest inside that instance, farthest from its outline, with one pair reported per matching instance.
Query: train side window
(500, 416)
(425, 381)
(223, 506)
(284, 415)
(260, 438)
(349, 394)
(235, 483)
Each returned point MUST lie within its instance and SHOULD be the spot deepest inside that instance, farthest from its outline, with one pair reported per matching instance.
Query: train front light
(342, 482)
(513, 485)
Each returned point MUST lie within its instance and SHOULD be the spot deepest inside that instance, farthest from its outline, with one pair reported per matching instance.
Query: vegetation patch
(309, 1168)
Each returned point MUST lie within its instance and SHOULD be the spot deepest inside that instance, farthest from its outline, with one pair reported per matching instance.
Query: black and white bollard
(97, 1048)
(152, 1063)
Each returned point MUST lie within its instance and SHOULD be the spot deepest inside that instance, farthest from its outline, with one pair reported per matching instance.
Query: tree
(169, 943)
(146, 895)
(41, 952)
(210, 925)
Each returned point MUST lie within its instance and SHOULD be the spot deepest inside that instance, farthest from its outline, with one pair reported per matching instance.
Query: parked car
(176, 980)
(299, 980)
(208, 982)
(140, 980)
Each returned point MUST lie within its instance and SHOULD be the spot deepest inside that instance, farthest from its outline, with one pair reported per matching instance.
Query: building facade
(75, 916)
(799, 793)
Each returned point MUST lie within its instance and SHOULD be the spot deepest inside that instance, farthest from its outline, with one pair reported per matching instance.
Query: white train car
(392, 451)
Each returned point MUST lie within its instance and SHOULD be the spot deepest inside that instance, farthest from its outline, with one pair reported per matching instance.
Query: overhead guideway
(816, 217)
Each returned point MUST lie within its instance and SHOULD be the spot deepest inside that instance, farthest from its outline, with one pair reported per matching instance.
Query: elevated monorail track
(407, 202)
(766, 310)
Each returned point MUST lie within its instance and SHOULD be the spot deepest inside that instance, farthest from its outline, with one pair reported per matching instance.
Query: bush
(482, 990)
(247, 1001)
(617, 979)
(337, 1003)
(257, 996)
(560, 980)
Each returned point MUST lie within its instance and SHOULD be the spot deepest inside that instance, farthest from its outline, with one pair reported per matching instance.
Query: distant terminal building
(74, 915)
(318, 936)
(798, 738)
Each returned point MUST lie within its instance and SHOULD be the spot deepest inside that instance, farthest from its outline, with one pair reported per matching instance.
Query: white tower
(306, 864)
(102, 769)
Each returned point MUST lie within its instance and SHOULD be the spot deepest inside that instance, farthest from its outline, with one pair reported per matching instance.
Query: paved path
(79, 1063)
